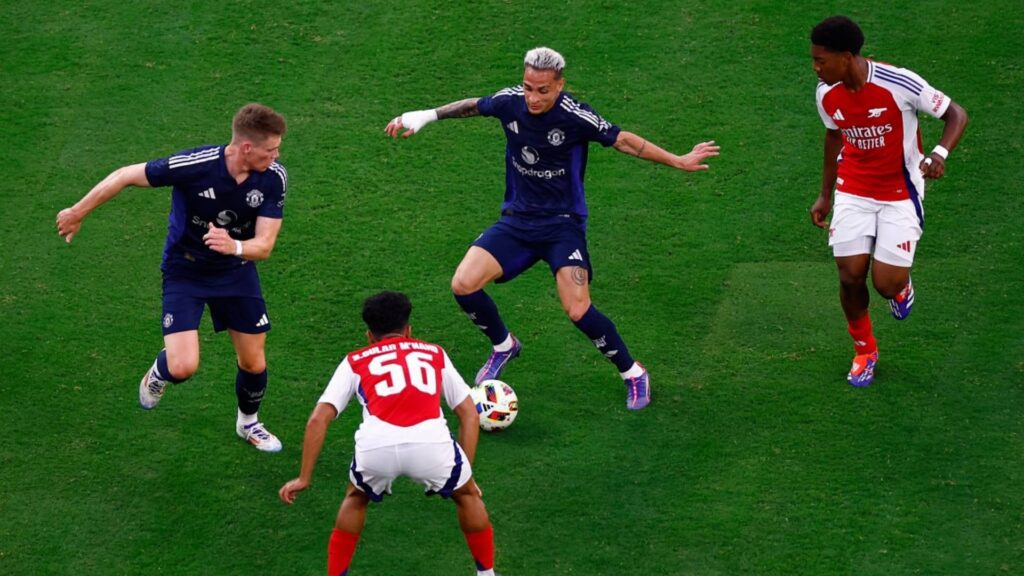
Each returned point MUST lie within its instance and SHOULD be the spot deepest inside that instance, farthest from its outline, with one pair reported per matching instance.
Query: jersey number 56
(422, 375)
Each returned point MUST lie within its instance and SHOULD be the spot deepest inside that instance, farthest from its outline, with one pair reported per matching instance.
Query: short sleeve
(499, 104)
(341, 388)
(455, 388)
(182, 167)
(819, 97)
(592, 127)
(929, 100)
(277, 191)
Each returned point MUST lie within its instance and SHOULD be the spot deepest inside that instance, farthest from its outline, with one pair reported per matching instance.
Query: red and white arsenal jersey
(399, 381)
(881, 142)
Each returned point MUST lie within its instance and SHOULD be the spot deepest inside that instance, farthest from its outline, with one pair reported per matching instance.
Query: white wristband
(941, 151)
(416, 120)
(238, 247)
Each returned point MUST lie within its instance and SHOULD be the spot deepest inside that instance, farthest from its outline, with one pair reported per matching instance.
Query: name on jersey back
(384, 348)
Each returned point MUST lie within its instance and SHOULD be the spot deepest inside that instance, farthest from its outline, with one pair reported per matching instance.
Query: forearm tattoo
(461, 109)
(579, 276)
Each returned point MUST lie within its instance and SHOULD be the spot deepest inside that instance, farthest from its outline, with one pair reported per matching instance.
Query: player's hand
(413, 122)
(395, 126)
(291, 488)
(934, 166)
(218, 240)
(68, 223)
(819, 211)
(692, 162)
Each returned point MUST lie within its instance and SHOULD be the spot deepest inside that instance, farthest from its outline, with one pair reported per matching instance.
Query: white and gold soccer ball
(496, 403)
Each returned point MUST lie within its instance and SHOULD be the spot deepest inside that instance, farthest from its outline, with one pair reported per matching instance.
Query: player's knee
(851, 278)
(576, 309)
(888, 288)
(253, 365)
(182, 367)
(461, 287)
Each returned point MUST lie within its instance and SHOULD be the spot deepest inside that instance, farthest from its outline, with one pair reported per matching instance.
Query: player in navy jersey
(226, 208)
(544, 214)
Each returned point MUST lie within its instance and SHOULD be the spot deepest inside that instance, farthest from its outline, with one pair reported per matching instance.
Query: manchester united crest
(254, 198)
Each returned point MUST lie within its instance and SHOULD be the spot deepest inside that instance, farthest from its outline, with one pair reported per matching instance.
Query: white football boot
(151, 389)
(258, 435)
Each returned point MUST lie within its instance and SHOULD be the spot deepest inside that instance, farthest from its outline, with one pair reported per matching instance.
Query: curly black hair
(386, 312)
(838, 34)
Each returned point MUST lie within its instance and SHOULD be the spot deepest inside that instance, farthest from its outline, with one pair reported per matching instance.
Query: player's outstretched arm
(258, 247)
(414, 121)
(316, 431)
(69, 220)
(469, 427)
(934, 165)
(829, 171)
(629, 143)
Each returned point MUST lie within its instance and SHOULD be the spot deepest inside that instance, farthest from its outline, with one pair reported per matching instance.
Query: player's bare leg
(573, 284)
(347, 528)
(853, 288)
(854, 298)
(478, 269)
(352, 512)
(177, 362)
(250, 385)
(893, 283)
(476, 526)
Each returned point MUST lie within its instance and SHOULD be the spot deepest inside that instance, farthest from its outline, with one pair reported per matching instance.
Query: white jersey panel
(819, 95)
(912, 94)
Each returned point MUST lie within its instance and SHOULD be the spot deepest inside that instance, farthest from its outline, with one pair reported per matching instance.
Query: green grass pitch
(755, 457)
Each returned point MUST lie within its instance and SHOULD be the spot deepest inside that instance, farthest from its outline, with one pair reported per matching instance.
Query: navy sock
(249, 388)
(605, 336)
(484, 313)
(163, 372)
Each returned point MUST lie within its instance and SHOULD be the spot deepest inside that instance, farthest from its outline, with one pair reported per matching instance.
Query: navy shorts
(240, 308)
(519, 243)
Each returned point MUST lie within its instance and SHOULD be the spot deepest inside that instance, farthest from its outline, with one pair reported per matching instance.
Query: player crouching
(399, 381)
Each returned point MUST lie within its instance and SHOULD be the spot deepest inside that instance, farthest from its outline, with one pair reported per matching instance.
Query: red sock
(340, 551)
(863, 337)
(481, 546)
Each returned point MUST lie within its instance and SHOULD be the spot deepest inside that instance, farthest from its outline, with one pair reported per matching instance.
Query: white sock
(488, 572)
(633, 372)
(246, 419)
(506, 345)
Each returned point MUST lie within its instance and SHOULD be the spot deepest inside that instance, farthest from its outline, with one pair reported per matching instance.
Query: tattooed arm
(413, 122)
(461, 109)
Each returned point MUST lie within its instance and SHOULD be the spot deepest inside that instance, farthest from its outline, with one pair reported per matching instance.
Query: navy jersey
(203, 192)
(546, 154)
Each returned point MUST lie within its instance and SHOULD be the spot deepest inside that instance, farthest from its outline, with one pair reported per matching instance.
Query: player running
(875, 163)
(400, 382)
(544, 215)
(226, 208)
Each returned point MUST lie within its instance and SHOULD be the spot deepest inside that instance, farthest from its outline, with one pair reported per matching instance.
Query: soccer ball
(496, 403)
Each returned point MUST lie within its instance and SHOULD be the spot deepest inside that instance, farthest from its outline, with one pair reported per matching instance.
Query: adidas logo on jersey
(208, 193)
(513, 126)
(576, 256)
(838, 115)
(905, 246)
(263, 321)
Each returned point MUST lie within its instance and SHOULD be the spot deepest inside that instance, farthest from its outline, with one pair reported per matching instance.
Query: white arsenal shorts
(888, 230)
(442, 467)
